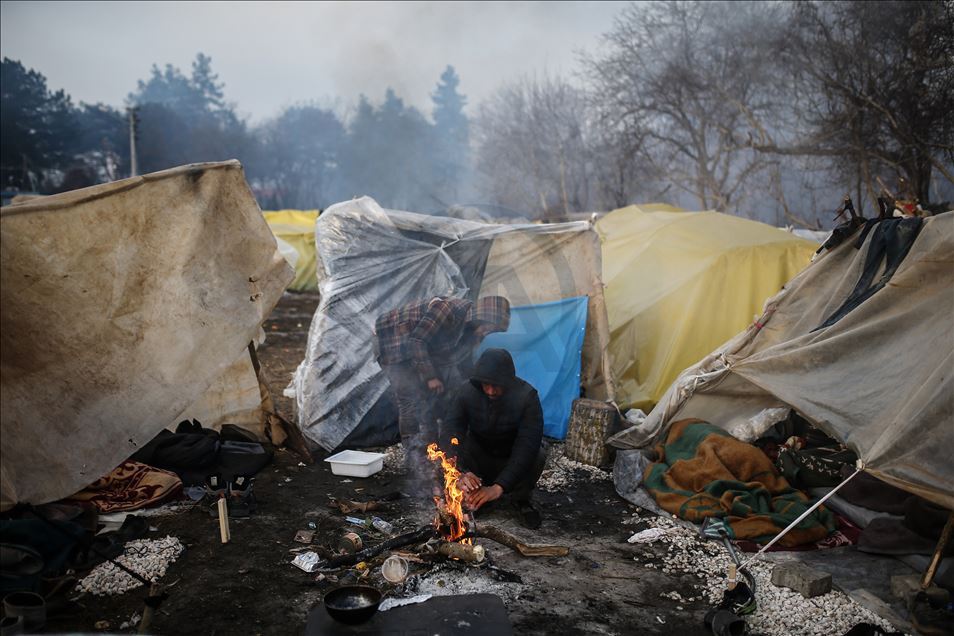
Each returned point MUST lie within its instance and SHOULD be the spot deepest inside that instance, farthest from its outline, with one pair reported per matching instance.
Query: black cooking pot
(352, 604)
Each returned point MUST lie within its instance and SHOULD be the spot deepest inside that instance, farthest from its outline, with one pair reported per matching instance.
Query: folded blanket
(130, 486)
(703, 471)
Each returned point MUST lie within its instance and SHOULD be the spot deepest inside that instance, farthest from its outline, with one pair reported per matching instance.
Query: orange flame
(453, 495)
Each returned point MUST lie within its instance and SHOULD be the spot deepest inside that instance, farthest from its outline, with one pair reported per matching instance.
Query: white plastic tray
(356, 463)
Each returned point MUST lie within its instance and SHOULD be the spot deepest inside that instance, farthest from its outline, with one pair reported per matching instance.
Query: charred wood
(418, 536)
(462, 552)
(524, 549)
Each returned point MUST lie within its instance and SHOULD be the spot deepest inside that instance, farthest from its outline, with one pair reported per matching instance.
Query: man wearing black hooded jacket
(498, 422)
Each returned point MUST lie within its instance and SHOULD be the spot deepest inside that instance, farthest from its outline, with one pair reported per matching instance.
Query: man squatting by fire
(497, 419)
(426, 349)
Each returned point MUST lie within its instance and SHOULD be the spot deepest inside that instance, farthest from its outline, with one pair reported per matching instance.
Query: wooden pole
(936, 559)
(293, 436)
(224, 520)
(152, 603)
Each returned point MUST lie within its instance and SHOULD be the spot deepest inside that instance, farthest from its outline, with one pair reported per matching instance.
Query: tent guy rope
(768, 545)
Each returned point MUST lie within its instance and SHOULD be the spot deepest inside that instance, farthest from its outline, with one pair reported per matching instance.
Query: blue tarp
(546, 342)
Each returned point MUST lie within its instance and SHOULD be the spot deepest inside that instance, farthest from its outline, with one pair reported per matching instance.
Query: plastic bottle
(382, 526)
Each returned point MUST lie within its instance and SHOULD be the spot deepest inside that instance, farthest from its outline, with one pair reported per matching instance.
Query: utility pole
(133, 167)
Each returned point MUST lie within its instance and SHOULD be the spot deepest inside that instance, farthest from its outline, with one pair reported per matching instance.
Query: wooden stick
(152, 603)
(936, 559)
(462, 552)
(295, 440)
(418, 536)
(527, 550)
(223, 520)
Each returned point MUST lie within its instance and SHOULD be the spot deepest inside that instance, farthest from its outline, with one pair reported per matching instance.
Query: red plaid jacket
(432, 329)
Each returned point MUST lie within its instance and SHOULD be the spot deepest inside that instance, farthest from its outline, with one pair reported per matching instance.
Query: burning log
(453, 495)
(418, 536)
(528, 550)
(462, 552)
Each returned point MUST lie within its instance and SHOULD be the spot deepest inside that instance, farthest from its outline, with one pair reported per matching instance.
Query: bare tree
(873, 84)
(299, 151)
(682, 82)
(534, 148)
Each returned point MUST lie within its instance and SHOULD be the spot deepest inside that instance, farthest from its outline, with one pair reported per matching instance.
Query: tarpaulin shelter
(861, 344)
(295, 231)
(125, 307)
(680, 283)
(545, 341)
(372, 260)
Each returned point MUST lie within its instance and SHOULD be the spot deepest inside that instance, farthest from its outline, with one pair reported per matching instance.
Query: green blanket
(705, 472)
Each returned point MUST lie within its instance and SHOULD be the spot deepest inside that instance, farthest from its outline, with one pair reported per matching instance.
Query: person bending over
(422, 348)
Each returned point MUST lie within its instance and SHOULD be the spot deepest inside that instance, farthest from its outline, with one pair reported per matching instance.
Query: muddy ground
(250, 587)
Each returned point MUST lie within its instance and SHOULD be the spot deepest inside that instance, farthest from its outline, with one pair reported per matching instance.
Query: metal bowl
(352, 604)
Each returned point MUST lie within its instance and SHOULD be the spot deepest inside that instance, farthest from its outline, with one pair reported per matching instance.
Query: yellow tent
(679, 284)
(296, 228)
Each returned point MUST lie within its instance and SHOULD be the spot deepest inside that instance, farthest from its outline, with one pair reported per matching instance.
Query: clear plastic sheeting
(372, 260)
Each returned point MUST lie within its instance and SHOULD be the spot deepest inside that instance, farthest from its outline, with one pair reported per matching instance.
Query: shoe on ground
(241, 499)
(488, 508)
(529, 516)
(931, 617)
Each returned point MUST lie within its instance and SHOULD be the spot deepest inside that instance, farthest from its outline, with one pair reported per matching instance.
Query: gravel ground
(150, 558)
(780, 611)
(561, 472)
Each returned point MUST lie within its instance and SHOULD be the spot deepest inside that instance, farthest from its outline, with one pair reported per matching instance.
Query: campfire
(449, 520)
(450, 535)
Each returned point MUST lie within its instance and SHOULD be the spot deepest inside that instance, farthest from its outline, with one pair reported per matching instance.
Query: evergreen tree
(451, 136)
(386, 155)
(185, 119)
(298, 162)
(37, 127)
(206, 83)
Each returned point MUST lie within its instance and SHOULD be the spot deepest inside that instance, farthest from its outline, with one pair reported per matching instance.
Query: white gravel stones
(561, 471)
(394, 460)
(649, 535)
(150, 558)
(780, 611)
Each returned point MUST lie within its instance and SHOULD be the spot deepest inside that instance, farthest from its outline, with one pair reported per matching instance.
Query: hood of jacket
(492, 310)
(495, 366)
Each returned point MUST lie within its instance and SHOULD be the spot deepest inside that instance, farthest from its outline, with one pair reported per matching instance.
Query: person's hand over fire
(469, 482)
(477, 498)
(434, 385)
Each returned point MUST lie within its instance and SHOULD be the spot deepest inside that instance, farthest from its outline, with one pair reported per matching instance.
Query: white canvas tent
(880, 379)
(371, 260)
(124, 307)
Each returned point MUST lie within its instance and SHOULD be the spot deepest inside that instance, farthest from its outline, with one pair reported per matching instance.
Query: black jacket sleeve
(526, 445)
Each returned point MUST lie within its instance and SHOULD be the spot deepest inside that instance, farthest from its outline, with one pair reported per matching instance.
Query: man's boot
(529, 516)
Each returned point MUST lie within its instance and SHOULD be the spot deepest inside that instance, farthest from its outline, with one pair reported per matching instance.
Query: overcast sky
(276, 54)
